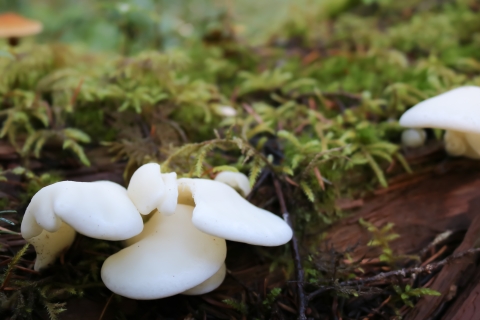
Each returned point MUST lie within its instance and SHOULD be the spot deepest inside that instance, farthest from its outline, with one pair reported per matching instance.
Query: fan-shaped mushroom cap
(168, 202)
(457, 109)
(210, 284)
(146, 187)
(99, 210)
(236, 180)
(14, 26)
(222, 212)
(169, 257)
(149, 189)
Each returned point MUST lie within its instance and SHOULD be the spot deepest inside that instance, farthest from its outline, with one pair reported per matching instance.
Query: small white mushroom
(413, 138)
(458, 112)
(149, 189)
(222, 212)
(227, 111)
(210, 284)
(236, 180)
(169, 257)
(100, 210)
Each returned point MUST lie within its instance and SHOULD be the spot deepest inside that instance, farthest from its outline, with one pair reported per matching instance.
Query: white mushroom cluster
(458, 112)
(182, 246)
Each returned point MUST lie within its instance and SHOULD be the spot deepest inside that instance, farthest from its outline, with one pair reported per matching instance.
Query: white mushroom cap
(222, 212)
(99, 210)
(49, 246)
(210, 284)
(227, 111)
(168, 202)
(146, 187)
(457, 109)
(169, 257)
(413, 138)
(149, 189)
(236, 180)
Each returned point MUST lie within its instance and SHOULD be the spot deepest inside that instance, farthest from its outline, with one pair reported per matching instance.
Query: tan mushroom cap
(14, 26)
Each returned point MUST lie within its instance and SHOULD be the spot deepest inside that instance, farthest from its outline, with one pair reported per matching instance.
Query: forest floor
(308, 110)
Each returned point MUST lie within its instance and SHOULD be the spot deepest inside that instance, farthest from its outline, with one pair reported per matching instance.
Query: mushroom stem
(50, 245)
(462, 144)
(13, 41)
(473, 140)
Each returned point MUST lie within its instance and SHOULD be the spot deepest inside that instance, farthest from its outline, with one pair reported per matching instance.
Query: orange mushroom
(13, 27)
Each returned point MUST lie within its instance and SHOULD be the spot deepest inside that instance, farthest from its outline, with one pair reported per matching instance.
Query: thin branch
(296, 253)
(342, 94)
(405, 272)
(73, 100)
(252, 112)
(106, 307)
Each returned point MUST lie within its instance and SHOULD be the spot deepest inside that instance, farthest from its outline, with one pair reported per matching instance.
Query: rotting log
(421, 210)
(452, 279)
(465, 305)
(422, 207)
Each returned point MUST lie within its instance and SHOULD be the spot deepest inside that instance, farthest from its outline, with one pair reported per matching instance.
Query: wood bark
(423, 207)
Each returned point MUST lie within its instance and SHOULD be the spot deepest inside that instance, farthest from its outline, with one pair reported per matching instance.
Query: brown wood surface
(422, 207)
(453, 277)
(467, 304)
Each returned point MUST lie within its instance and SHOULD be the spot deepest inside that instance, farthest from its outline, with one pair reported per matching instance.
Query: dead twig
(296, 253)
(106, 306)
(405, 272)
(252, 112)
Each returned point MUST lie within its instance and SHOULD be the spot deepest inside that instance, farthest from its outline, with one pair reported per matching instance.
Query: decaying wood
(453, 277)
(382, 277)
(464, 307)
(440, 201)
(446, 198)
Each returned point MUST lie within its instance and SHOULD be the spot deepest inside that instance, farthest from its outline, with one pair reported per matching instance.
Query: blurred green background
(132, 26)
